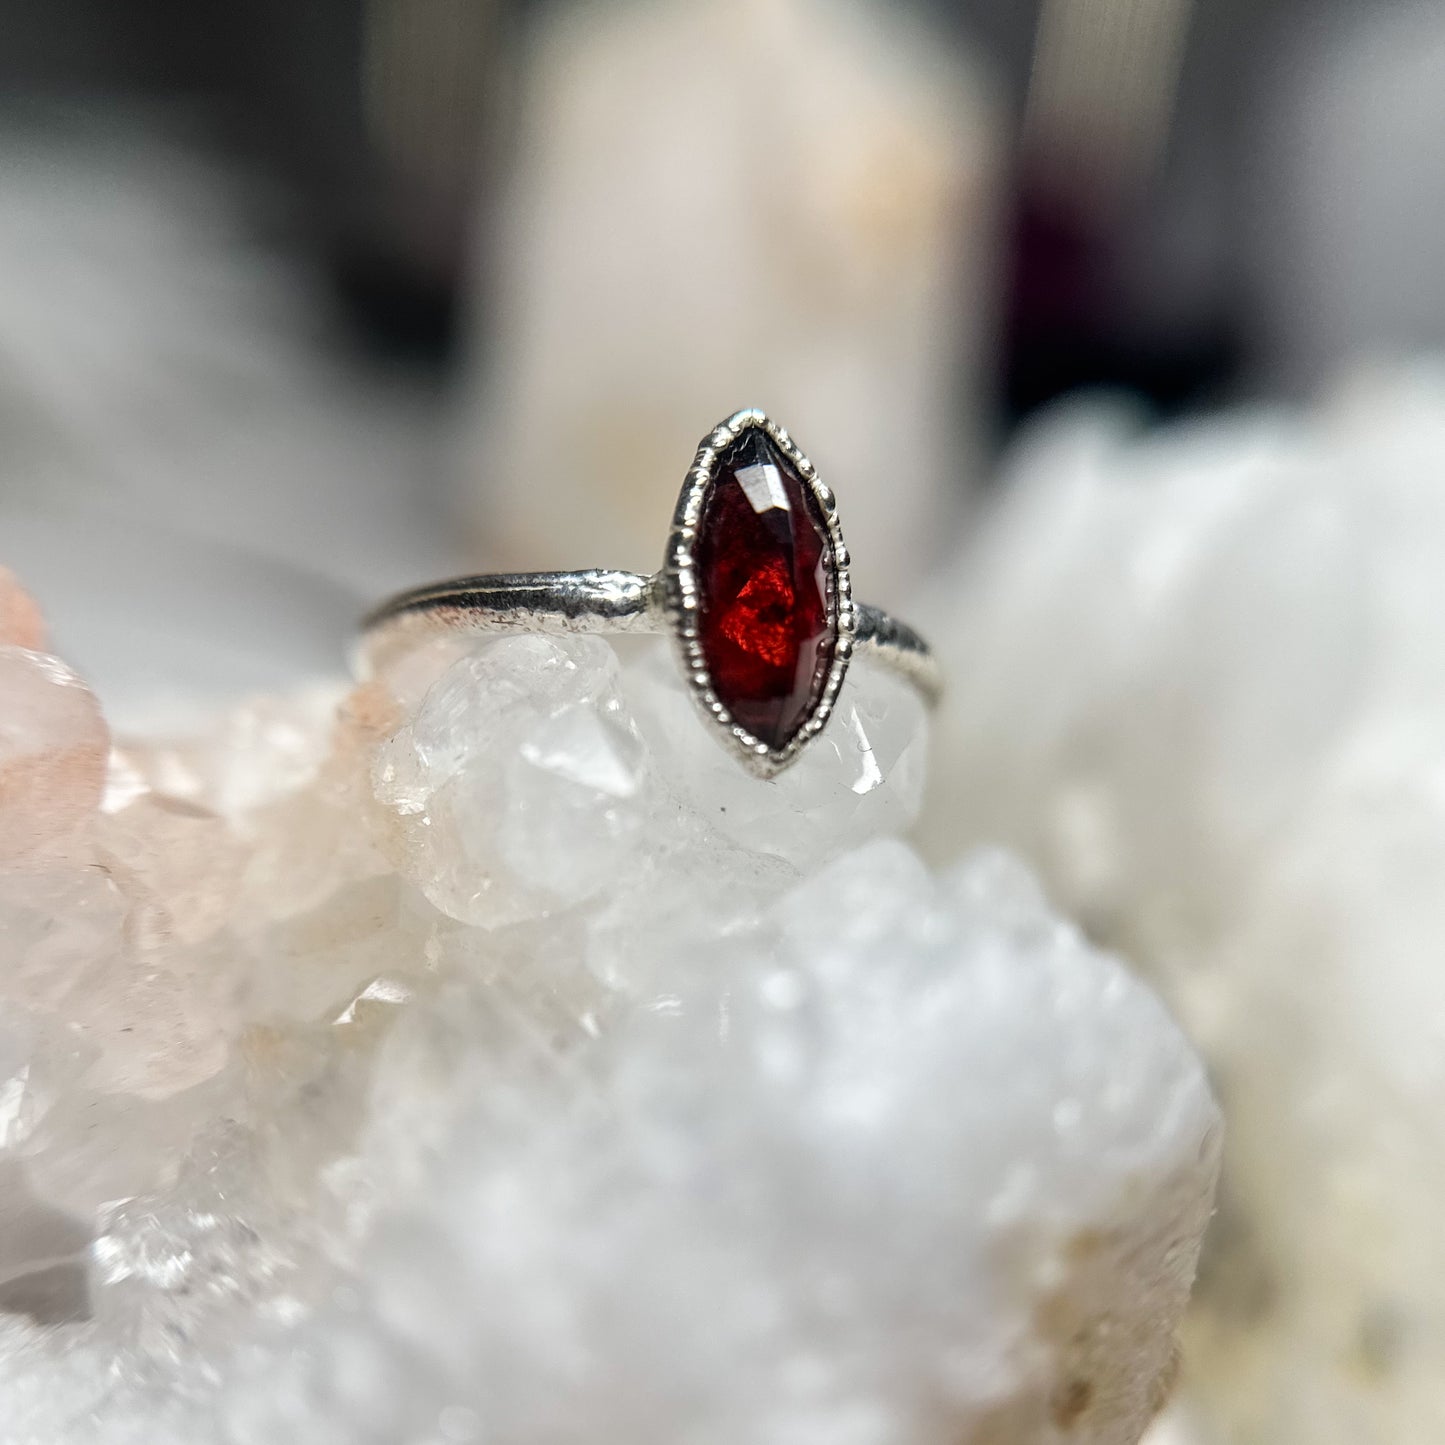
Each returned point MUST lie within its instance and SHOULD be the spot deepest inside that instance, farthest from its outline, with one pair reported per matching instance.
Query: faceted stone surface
(762, 552)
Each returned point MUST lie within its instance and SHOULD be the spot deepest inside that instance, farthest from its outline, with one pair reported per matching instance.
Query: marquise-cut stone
(762, 555)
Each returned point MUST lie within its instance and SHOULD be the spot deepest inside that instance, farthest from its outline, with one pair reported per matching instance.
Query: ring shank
(591, 601)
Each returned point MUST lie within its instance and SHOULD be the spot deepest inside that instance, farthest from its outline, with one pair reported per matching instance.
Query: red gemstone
(763, 601)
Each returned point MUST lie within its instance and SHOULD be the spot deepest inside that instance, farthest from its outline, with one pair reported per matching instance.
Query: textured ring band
(754, 590)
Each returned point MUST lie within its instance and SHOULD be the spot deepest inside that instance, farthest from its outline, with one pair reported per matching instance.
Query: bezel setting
(682, 594)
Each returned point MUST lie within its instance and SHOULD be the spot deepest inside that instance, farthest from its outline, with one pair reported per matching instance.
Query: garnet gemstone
(763, 601)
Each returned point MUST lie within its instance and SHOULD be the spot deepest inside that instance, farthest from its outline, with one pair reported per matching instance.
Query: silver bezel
(681, 593)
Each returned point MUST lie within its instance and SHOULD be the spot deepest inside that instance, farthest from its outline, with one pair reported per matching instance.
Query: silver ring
(754, 591)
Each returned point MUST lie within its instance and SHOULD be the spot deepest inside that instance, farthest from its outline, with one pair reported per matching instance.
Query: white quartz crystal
(489, 1058)
(900, 1160)
(1199, 679)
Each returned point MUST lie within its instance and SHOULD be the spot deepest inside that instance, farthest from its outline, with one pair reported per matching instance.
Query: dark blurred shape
(42, 1255)
(1210, 195)
(1068, 323)
(57, 1294)
(406, 312)
(1097, 123)
(430, 83)
(371, 114)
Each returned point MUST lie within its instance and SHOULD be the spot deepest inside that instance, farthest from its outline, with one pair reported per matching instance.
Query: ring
(754, 591)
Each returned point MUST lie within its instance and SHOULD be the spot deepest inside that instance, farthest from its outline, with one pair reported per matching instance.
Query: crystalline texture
(520, 786)
(687, 1232)
(1206, 695)
(53, 746)
(568, 1097)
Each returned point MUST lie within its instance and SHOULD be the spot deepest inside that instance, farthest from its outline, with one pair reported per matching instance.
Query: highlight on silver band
(754, 591)
(588, 601)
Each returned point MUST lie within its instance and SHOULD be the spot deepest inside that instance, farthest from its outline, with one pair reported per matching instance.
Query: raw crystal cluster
(481, 1055)
(1199, 680)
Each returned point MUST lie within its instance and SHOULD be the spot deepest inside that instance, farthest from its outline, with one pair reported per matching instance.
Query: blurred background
(360, 290)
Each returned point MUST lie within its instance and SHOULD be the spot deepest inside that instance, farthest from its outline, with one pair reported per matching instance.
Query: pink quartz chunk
(53, 750)
(21, 624)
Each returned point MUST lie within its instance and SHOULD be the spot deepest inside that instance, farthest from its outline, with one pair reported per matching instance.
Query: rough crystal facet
(53, 747)
(762, 550)
(432, 1062)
